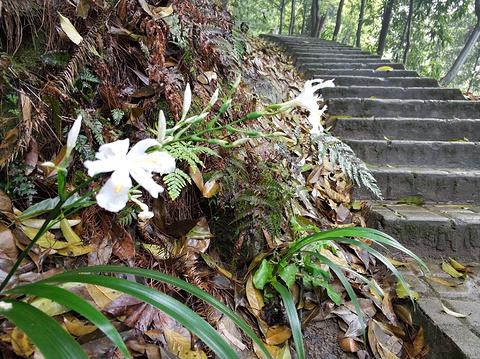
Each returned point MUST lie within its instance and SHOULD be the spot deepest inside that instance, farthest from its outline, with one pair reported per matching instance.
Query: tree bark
(469, 45)
(315, 17)
(387, 15)
(338, 22)
(304, 17)
(282, 14)
(409, 31)
(360, 22)
(291, 28)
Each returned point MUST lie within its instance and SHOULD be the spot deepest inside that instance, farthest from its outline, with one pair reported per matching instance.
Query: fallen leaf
(452, 313)
(384, 68)
(447, 268)
(49, 307)
(158, 252)
(458, 266)
(403, 313)
(254, 297)
(442, 281)
(78, 327)
(5, 203)
(349, 345)
(69, 234)
(156, 12)
(403, 292)
(102, 296)
(21, 345)
(70, 30)
(8, 248)
(278, 334)
(180, 346)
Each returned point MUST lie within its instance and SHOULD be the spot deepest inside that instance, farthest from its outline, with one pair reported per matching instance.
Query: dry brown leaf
(278, 334)
(254, 297)
(21, 345)
(180, 346)
(349, 345)
(6, 206)
(78, 327)
(8, 248)
(102, 296)
(441, 281)
(403, 313)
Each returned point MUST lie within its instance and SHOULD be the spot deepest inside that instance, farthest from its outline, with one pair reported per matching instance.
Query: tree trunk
(282, 14)
(320, 24)
(338, 22)
(475, 72)
(462, 57)
(387, 15)
(408, 32)
(291, 29)
(360, 22)
(304, 18)
(315, 17)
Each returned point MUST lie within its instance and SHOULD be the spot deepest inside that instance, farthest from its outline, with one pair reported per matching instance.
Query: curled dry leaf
(78, 327)
(349, 345)
(102, 296)
(254, 297)
(70, 30)
(453, 313)
(156, 12)
(277, 334)
(451, 271)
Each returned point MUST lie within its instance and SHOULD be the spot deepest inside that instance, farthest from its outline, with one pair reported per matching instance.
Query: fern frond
(183, 151)
(175, 182)
(340, 154)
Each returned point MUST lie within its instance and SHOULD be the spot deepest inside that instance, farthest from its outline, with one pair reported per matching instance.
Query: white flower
(187, 101)
(162, 127)
(308, 100)
(214, 98)
(73, 135)
(5, 306)
(145, 213)
(115, 157)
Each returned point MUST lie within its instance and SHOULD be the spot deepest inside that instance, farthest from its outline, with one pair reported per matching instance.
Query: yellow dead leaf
(158, 252)
(49, 307)
(458, 266)
(102, 296)
(452, 313)
(47, 241)
(278, 334)
(71, 237)
(75, 251)
(180, 346)
(384, 68)
(441, 281)
(70, 30)
(397, 263)
(210, 189)
(77, 327)
(275, 351)
(21, 344)
(447, 268)
(403, 292)
(254, 297)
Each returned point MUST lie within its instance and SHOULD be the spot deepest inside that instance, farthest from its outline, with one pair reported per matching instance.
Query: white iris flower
(136, 163)
(308, 100)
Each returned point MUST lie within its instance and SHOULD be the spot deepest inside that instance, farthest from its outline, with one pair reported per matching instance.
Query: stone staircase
(420, 140)
(422, 143)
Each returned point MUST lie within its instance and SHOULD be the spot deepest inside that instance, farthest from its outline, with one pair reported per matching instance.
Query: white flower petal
(162, 127)
(102, 166)
(73, 133)
(114, 194)
(140, 148)
(145, 180)
(117, 149)
(145, 215)
(187, 101)
(161, 162)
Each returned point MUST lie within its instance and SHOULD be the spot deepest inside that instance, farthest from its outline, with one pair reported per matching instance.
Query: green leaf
(292, 318)
(263, 275)
(192, 289)
(172, 307)
(346, 284)
(50, 203)
(79, 305)
(47, 335)
(288, 274)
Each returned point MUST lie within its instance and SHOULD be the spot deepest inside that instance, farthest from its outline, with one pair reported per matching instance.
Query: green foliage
(175, 182)
(340, 154)
(126, 216)
(188, 152)
(96, 127)
(84, 149)
(55, 343)
(19, 185)
(117, 116)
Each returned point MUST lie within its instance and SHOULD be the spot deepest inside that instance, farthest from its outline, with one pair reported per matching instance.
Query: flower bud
(240, 142)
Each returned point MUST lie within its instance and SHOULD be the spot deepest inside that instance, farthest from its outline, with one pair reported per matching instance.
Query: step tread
(434, 171)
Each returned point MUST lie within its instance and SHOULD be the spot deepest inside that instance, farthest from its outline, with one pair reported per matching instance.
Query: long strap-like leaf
(49, 337)
(172, 307)
(165, 278)
(79, 305)
(292, 318)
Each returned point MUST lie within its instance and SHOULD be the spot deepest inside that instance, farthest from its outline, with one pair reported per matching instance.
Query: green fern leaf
(176, 182)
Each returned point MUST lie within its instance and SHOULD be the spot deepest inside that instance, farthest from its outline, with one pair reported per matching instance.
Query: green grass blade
(47, 335)
(292, 317)
(367, 233)
(346, 284)
(79, 305)
(172, 307)
(192, 289)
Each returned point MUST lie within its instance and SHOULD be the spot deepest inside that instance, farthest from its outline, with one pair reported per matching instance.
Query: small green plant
(20, 186)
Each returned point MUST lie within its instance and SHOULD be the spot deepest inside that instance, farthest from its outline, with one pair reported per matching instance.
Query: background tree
(361, 15)
(469, 45)
(387, 15)
(408, 27)
(282, 15)
(291, 28)
(338, 22)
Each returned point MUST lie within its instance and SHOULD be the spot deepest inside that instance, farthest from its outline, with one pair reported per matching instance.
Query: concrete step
(317, 61)
(308, 57)
(422, 129)
(433, 185)
(351, 66)
(329, 51)
(420, 93)
(382, 81)
(366, 72)
(418, 153)
(431, 230)
(356, 107)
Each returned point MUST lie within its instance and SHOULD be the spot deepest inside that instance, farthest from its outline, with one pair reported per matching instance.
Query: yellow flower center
(118, 188)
